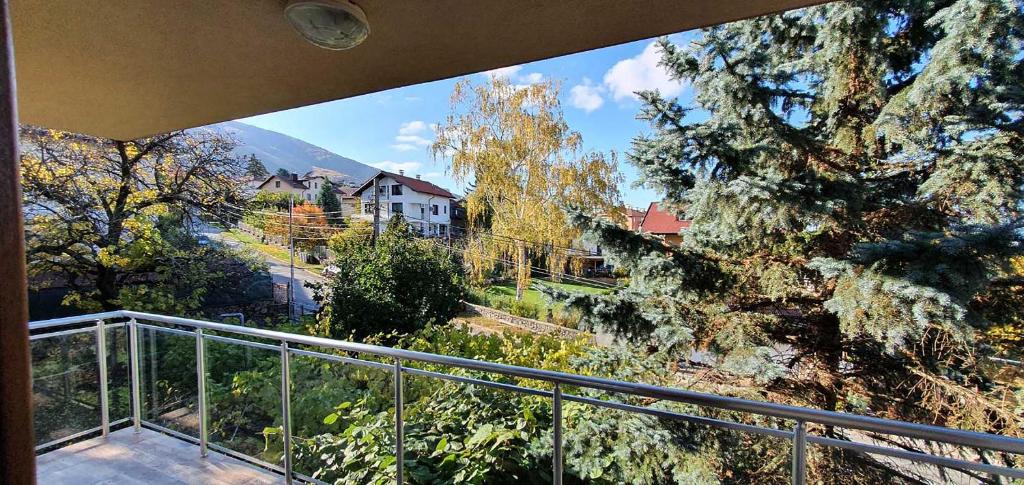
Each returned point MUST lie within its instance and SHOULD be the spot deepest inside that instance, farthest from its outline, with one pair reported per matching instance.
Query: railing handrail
(828, 418)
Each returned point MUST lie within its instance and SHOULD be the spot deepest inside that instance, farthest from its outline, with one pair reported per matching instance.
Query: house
(318, 176)
(308, 187)
(634, 217)
(349, 201)
(424, 205)
(288, 185)
(663, 224)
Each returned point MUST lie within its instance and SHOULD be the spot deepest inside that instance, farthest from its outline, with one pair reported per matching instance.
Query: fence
(396, 361)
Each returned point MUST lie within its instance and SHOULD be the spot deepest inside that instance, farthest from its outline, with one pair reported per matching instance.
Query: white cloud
(640, 73)
(409, 136)
(412, 140)
(586, 96)
(531, 78)
(391, 166)
(502, 72)
(412, 127)
(511, 74)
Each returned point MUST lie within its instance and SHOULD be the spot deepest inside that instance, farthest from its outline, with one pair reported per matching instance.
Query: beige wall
(285, 187)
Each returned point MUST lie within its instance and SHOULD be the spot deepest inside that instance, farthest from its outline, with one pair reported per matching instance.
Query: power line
(540, 270)
(570, 276)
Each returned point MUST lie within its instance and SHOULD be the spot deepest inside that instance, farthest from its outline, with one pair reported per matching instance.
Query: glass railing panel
(343, 420)
(65, 385)
(119, 385)
(168, 380)
(244, 396)
(667, 443)
(459, 431)
(828, 464)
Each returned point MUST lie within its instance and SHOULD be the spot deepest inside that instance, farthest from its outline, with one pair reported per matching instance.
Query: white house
(424, 205)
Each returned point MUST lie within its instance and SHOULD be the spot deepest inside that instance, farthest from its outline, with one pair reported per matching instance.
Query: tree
(92, 204)
(283, 173)
(329, 203)
(308, 225)
(400, 284)
(255, 169)
(527, 166)
(855, 193)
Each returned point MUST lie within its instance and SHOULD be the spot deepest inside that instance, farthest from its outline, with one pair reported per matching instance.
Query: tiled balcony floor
(146, 458)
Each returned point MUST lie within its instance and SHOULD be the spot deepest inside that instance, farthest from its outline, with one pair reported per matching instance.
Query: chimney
(295, 176)
(417, 176)
(401, 172)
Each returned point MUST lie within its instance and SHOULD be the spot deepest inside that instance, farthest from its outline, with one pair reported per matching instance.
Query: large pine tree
(853, 173)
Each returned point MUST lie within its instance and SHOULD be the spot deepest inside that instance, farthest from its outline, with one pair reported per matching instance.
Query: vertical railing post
(201, 380)
(101, 358)
(800, 453)
(556, 419)
(399, 424)
(134, 362)
(286, 413)
(154, 393)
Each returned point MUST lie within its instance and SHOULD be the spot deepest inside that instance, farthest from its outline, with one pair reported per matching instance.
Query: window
(442, 229)
(277, 184)
(445, 209)
(433, 209)
(423, 213)
(308, 196)
(396, 207)
(314, 185)
(383, 191)
(396, 189)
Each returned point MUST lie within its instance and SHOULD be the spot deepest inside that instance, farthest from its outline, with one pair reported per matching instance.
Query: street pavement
(278, 269)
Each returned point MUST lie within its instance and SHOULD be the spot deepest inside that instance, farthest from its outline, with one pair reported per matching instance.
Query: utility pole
(291, 265)
(376, 209)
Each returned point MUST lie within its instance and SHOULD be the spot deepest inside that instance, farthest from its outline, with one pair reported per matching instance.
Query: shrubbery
(398, 285)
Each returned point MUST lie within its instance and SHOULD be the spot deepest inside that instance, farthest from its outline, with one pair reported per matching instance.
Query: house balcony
(103, 414)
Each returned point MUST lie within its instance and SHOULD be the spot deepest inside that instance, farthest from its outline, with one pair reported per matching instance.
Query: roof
(325, 173)
(295, 184)
(657, 221)
(633, 218)
(78, 62)
(344, 190)
(418, 185)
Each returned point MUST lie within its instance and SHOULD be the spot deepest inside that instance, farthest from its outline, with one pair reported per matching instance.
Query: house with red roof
(427, 207)
(633, 218)
(663, 224)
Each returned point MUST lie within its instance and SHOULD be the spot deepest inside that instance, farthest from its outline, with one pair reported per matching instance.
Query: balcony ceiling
(129, 68)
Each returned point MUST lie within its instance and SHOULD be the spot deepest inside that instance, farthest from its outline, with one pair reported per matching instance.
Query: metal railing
(798, 435)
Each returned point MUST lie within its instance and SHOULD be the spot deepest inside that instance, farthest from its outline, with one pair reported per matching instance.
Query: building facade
(425, 206)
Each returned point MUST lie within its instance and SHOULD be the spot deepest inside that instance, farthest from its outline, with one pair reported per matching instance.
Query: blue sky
(391, 129)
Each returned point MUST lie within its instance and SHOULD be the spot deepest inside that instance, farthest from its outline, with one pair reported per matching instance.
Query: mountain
(277, 150)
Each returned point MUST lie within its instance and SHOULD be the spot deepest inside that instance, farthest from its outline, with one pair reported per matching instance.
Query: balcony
(100, 414)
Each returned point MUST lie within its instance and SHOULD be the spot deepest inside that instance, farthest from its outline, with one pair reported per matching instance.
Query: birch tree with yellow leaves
(527, 167)
(92, 205)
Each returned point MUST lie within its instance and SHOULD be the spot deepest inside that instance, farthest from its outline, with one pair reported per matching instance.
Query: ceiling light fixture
(331, 24)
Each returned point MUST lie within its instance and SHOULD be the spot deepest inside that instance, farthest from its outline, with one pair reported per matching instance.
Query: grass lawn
(534, 296)
(276, 252)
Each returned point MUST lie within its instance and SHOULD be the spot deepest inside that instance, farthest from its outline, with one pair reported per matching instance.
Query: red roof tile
(421, 186)
(657, 221)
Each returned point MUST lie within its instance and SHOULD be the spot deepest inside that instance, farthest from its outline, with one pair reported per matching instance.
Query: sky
(392, 130)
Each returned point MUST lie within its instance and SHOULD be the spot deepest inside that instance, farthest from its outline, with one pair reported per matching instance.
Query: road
(278, 269)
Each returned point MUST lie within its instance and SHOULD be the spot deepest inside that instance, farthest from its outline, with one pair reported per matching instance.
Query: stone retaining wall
(528, 324)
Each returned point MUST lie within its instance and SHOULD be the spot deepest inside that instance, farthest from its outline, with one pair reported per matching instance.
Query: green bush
(398, 285)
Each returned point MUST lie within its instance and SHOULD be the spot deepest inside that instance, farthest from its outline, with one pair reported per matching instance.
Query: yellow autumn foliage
(527, 167)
